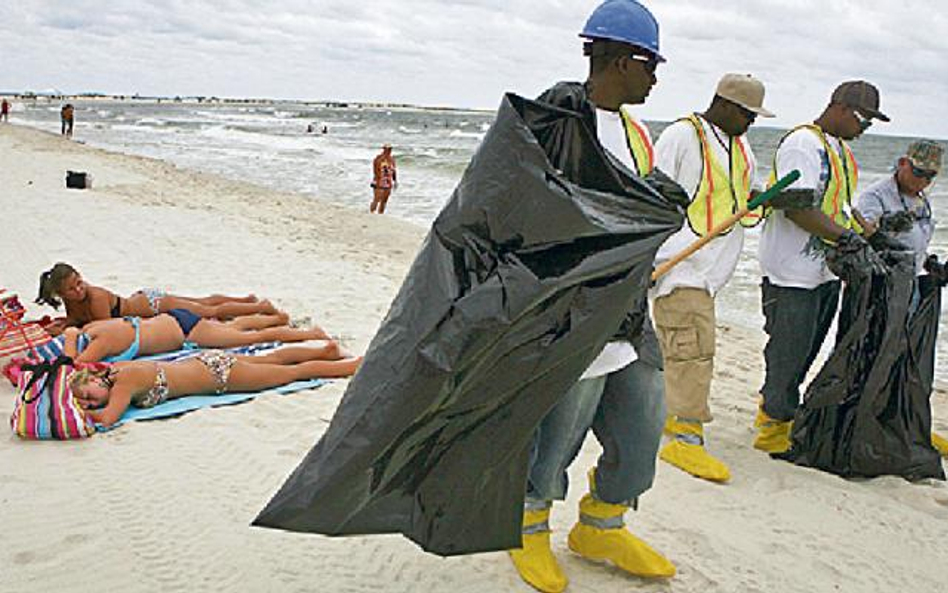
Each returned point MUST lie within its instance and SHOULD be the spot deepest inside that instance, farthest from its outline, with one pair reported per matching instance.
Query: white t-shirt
(790, 256)
(611, 133)
(678, 154)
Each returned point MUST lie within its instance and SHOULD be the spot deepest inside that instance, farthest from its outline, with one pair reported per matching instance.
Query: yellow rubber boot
(600, 534)
(686, 451)
(940, 443)
(773, 436)
(535, 560)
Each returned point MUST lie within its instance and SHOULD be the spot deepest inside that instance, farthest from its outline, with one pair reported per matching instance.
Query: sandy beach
(166, 505)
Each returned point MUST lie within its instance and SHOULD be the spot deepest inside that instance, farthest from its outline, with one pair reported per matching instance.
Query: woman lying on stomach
(107, 393)
(123, 339)
(62, 284)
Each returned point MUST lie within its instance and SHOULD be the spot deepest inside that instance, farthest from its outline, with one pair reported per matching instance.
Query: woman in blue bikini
(62, 284)
(123, 339)
(107, 392)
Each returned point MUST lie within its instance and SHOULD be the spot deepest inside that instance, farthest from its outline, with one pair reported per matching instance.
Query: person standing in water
(67, 115)
(384, 179)
(5, 110)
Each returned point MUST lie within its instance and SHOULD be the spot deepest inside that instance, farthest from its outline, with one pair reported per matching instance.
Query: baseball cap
(925, 155)
(860, 95)
(743, 90)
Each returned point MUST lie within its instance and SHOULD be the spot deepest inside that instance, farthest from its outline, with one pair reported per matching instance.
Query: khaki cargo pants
(685, 323)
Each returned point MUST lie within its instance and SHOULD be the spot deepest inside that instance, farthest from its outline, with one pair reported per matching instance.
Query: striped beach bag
(45, 407)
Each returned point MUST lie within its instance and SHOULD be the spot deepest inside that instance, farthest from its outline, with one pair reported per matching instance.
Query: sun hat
(743, 90)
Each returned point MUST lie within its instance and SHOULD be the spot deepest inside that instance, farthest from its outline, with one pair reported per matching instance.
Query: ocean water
(268, 144)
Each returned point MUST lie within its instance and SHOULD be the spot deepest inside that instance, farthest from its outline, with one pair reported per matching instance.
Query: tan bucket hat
(743, 90)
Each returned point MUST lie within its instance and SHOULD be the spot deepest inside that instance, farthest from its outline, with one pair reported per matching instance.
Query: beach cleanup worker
(67, 116)
(709, 156)
(5, 110)
(384, 178)
(799, 293)
(899, 206)
(620, 395)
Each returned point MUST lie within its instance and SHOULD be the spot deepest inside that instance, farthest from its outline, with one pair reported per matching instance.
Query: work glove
(852, 257)
(883, 241)
(795, 199)
(937, 271)
(897, 222)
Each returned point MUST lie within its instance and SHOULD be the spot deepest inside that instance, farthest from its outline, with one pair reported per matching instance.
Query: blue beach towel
(183, 405)
(54, 348)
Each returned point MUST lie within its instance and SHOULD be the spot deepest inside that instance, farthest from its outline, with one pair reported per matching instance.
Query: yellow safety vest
(720, 193)
(640, 145)
(841, 185)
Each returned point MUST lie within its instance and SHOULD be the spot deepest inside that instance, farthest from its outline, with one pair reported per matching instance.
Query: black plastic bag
(867, 412)
(544, 246)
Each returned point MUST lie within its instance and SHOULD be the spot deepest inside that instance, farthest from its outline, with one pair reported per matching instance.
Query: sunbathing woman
(116, 340)
(85, 303)
(106, 393)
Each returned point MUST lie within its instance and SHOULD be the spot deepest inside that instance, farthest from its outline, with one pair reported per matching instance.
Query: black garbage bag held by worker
(867, 413)
(526, 273)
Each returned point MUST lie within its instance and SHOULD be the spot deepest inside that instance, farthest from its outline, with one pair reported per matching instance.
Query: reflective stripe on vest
(639, 143)
(841, 185)
(720, 193)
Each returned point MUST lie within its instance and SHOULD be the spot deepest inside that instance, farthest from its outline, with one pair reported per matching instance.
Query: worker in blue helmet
(621, 394)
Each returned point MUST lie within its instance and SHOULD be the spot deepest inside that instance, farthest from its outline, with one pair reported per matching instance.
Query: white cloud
(466, 53)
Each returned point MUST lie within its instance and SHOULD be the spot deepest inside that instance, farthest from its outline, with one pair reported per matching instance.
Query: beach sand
(165, 505)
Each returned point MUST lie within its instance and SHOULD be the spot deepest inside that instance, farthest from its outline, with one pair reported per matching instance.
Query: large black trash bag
(544, 246)
(867, 412)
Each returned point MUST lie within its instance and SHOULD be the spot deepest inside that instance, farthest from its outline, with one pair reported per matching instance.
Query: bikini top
(157, 394)
(116, 308)
(132, 351)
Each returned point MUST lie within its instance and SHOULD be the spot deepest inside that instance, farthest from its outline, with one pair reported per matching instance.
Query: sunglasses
(650, 61)
(747, 114)
(864, 122)
(923, 173)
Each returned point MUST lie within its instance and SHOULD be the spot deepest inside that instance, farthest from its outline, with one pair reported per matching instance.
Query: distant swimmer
(309, 129)
(384, 179)
(325, 130)
(5, 110)
(67, 115)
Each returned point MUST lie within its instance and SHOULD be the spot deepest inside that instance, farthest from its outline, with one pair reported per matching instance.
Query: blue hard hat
(626, 21)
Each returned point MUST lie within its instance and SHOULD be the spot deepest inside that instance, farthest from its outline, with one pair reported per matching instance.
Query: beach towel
(530, 268)
(183, 405)
(53, 349)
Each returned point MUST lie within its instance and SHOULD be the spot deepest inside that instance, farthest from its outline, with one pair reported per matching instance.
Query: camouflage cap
(926, 154)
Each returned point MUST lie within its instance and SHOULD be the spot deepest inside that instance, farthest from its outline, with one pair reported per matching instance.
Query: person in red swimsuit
(5, 110)
(384, 179)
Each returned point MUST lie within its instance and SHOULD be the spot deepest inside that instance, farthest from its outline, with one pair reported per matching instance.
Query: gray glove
(853, 258)
(938, 271)
(897, 222)
(882, 241)
(795, 199)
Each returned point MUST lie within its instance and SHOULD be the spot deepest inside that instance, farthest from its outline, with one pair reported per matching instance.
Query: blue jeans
(626, 410)
(797, 321)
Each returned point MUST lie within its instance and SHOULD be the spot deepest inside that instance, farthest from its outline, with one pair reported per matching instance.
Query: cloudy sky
(466, 53)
